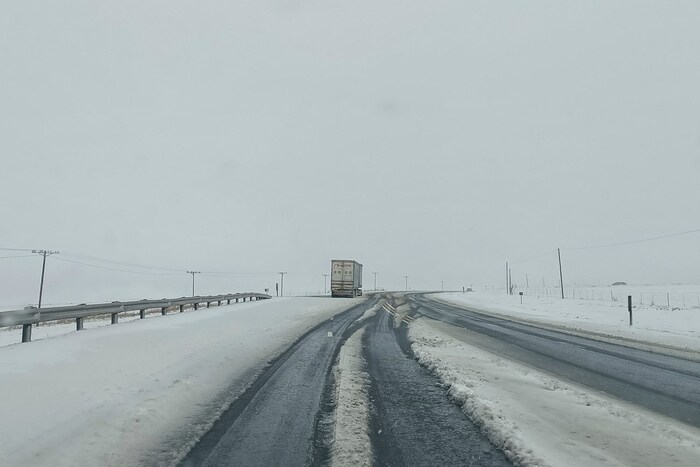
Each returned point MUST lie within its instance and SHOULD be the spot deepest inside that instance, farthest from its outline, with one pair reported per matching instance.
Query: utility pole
(193, 273)
(510, 282)
(325, 279)
(443, 285)
(282, 283)
(561, 277)
(43, 253)
(507, 279)
(375, 280)
(406, 277)
(527, 282)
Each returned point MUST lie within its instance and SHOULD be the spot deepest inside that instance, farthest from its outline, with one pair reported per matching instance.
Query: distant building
(619, 283)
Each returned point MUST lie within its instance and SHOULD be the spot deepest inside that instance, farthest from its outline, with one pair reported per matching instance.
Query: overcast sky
(431, 139)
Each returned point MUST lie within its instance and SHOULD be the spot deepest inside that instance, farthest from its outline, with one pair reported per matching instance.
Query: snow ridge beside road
(351, 442)
(539, 420)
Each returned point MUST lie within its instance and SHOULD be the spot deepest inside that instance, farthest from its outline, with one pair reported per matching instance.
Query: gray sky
(433, 139)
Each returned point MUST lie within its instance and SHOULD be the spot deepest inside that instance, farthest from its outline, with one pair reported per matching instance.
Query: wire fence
(671, 299)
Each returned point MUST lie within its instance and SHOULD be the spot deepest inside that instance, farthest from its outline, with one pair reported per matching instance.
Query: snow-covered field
(673, 329)
(661, 296)
(539, 420)
(139, 393)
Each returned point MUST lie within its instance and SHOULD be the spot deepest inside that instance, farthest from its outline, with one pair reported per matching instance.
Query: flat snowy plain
(538, 419)
(139, 393)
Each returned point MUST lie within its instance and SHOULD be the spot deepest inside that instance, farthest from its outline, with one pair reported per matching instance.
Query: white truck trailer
(346, 278)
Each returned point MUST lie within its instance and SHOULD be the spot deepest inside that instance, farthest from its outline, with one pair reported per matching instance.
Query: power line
(550, 252)
(678, 234)
(158, 268)
(232, 273)
(118, 270)
(123, 263)
(16, 256)
(16, 249)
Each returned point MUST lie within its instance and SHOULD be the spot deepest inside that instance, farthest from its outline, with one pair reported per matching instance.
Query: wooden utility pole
(561, 276)
(282, 283)
(193, 273)
(43, 253)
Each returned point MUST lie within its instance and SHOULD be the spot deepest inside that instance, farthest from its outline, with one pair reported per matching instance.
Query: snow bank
(352, 445)
(140, 393)
(538, 420)
(675, 329)
(371, 312)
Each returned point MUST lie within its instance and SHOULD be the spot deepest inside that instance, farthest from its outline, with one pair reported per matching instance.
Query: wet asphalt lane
(664, 384)
(273, 424)
(414, 422)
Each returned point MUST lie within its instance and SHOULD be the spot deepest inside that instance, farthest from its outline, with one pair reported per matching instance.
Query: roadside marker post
(629, 307)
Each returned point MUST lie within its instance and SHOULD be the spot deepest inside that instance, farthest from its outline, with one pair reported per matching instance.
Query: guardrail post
(229, 301)
(79, 324)
(182, 308)
(142, 314)
(115, 318)
(196, 306)
(236, 300)
(26, 333)
(208, 304)
(219, 304)
(164, 311)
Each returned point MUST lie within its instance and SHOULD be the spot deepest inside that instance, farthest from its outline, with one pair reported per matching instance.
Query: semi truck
(346, 278)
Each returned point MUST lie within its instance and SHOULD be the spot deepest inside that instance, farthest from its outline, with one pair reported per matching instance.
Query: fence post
(629, 307)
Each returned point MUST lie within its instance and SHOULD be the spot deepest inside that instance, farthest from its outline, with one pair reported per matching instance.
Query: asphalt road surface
(285, 418)
(665, 384)
(414, 421)
(273, 423)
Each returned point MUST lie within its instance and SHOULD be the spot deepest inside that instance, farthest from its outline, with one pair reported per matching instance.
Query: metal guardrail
(30, 316)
